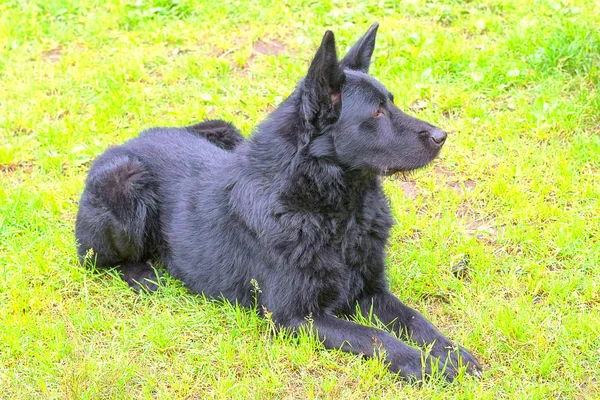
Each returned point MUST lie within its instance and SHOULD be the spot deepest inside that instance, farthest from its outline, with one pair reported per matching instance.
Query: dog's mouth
(403, 176)
(406, 173)
(391, 171)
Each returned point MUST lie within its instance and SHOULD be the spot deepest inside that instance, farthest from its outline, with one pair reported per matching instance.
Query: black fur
(221, 133)
(297, 209)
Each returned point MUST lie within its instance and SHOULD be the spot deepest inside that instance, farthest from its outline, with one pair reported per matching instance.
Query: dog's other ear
(359, 56)
(322, 87)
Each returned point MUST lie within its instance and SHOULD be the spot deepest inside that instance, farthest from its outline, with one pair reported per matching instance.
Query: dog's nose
(438, 136)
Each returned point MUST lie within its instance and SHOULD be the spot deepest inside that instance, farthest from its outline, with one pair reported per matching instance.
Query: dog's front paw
(411, 372)
(451, 358)
(409, 365)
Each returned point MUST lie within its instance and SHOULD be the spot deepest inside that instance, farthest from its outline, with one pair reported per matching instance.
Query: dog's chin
(402, 170)
(392, 171)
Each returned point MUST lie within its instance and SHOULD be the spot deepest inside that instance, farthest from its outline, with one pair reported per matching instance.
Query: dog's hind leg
(117, 214)
(221, 133)
(140, 276)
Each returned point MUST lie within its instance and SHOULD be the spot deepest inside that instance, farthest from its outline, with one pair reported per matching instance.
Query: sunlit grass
(516, 188)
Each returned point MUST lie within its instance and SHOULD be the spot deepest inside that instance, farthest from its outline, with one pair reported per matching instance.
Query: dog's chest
(357, 244)
(352, 238)
(340, 250)
(361, 240)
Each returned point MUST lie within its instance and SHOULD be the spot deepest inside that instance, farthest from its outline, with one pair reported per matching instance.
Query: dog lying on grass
(297, 209)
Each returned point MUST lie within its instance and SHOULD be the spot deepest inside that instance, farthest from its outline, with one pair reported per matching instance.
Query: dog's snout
(438, 136)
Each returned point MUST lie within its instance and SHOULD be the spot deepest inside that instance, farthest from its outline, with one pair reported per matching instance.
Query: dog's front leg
(410, 324)
(336, 333)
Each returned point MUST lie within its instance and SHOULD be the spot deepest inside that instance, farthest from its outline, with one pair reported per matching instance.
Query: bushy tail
(223, 134)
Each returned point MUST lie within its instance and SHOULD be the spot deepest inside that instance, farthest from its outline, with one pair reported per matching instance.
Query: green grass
(517, 188)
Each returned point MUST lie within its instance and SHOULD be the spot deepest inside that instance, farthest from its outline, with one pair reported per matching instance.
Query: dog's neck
(317, 185)
(302, 167)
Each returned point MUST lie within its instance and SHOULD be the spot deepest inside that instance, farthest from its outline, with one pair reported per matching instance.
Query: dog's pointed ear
(359, 56)
(322, 87)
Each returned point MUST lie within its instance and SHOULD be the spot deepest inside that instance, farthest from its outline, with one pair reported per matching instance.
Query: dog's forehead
(365, 84)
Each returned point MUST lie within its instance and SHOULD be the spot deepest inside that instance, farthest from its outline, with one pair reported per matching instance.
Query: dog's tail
(221, 133)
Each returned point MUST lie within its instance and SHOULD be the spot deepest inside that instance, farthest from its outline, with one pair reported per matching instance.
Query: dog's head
(352, 116)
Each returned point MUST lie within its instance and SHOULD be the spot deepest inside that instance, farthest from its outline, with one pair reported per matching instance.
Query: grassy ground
(517, 189)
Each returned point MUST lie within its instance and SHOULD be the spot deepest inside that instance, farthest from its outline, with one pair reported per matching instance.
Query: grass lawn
(516, 189)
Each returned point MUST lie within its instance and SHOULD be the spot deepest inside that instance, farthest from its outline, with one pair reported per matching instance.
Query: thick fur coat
(297, 209)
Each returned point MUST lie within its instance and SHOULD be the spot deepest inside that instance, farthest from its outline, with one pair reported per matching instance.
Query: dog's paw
(141, 277)
(408, 364)
(411, 372)
(451, 358)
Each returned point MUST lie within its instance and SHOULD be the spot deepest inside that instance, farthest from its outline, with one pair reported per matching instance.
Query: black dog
(297, 209)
